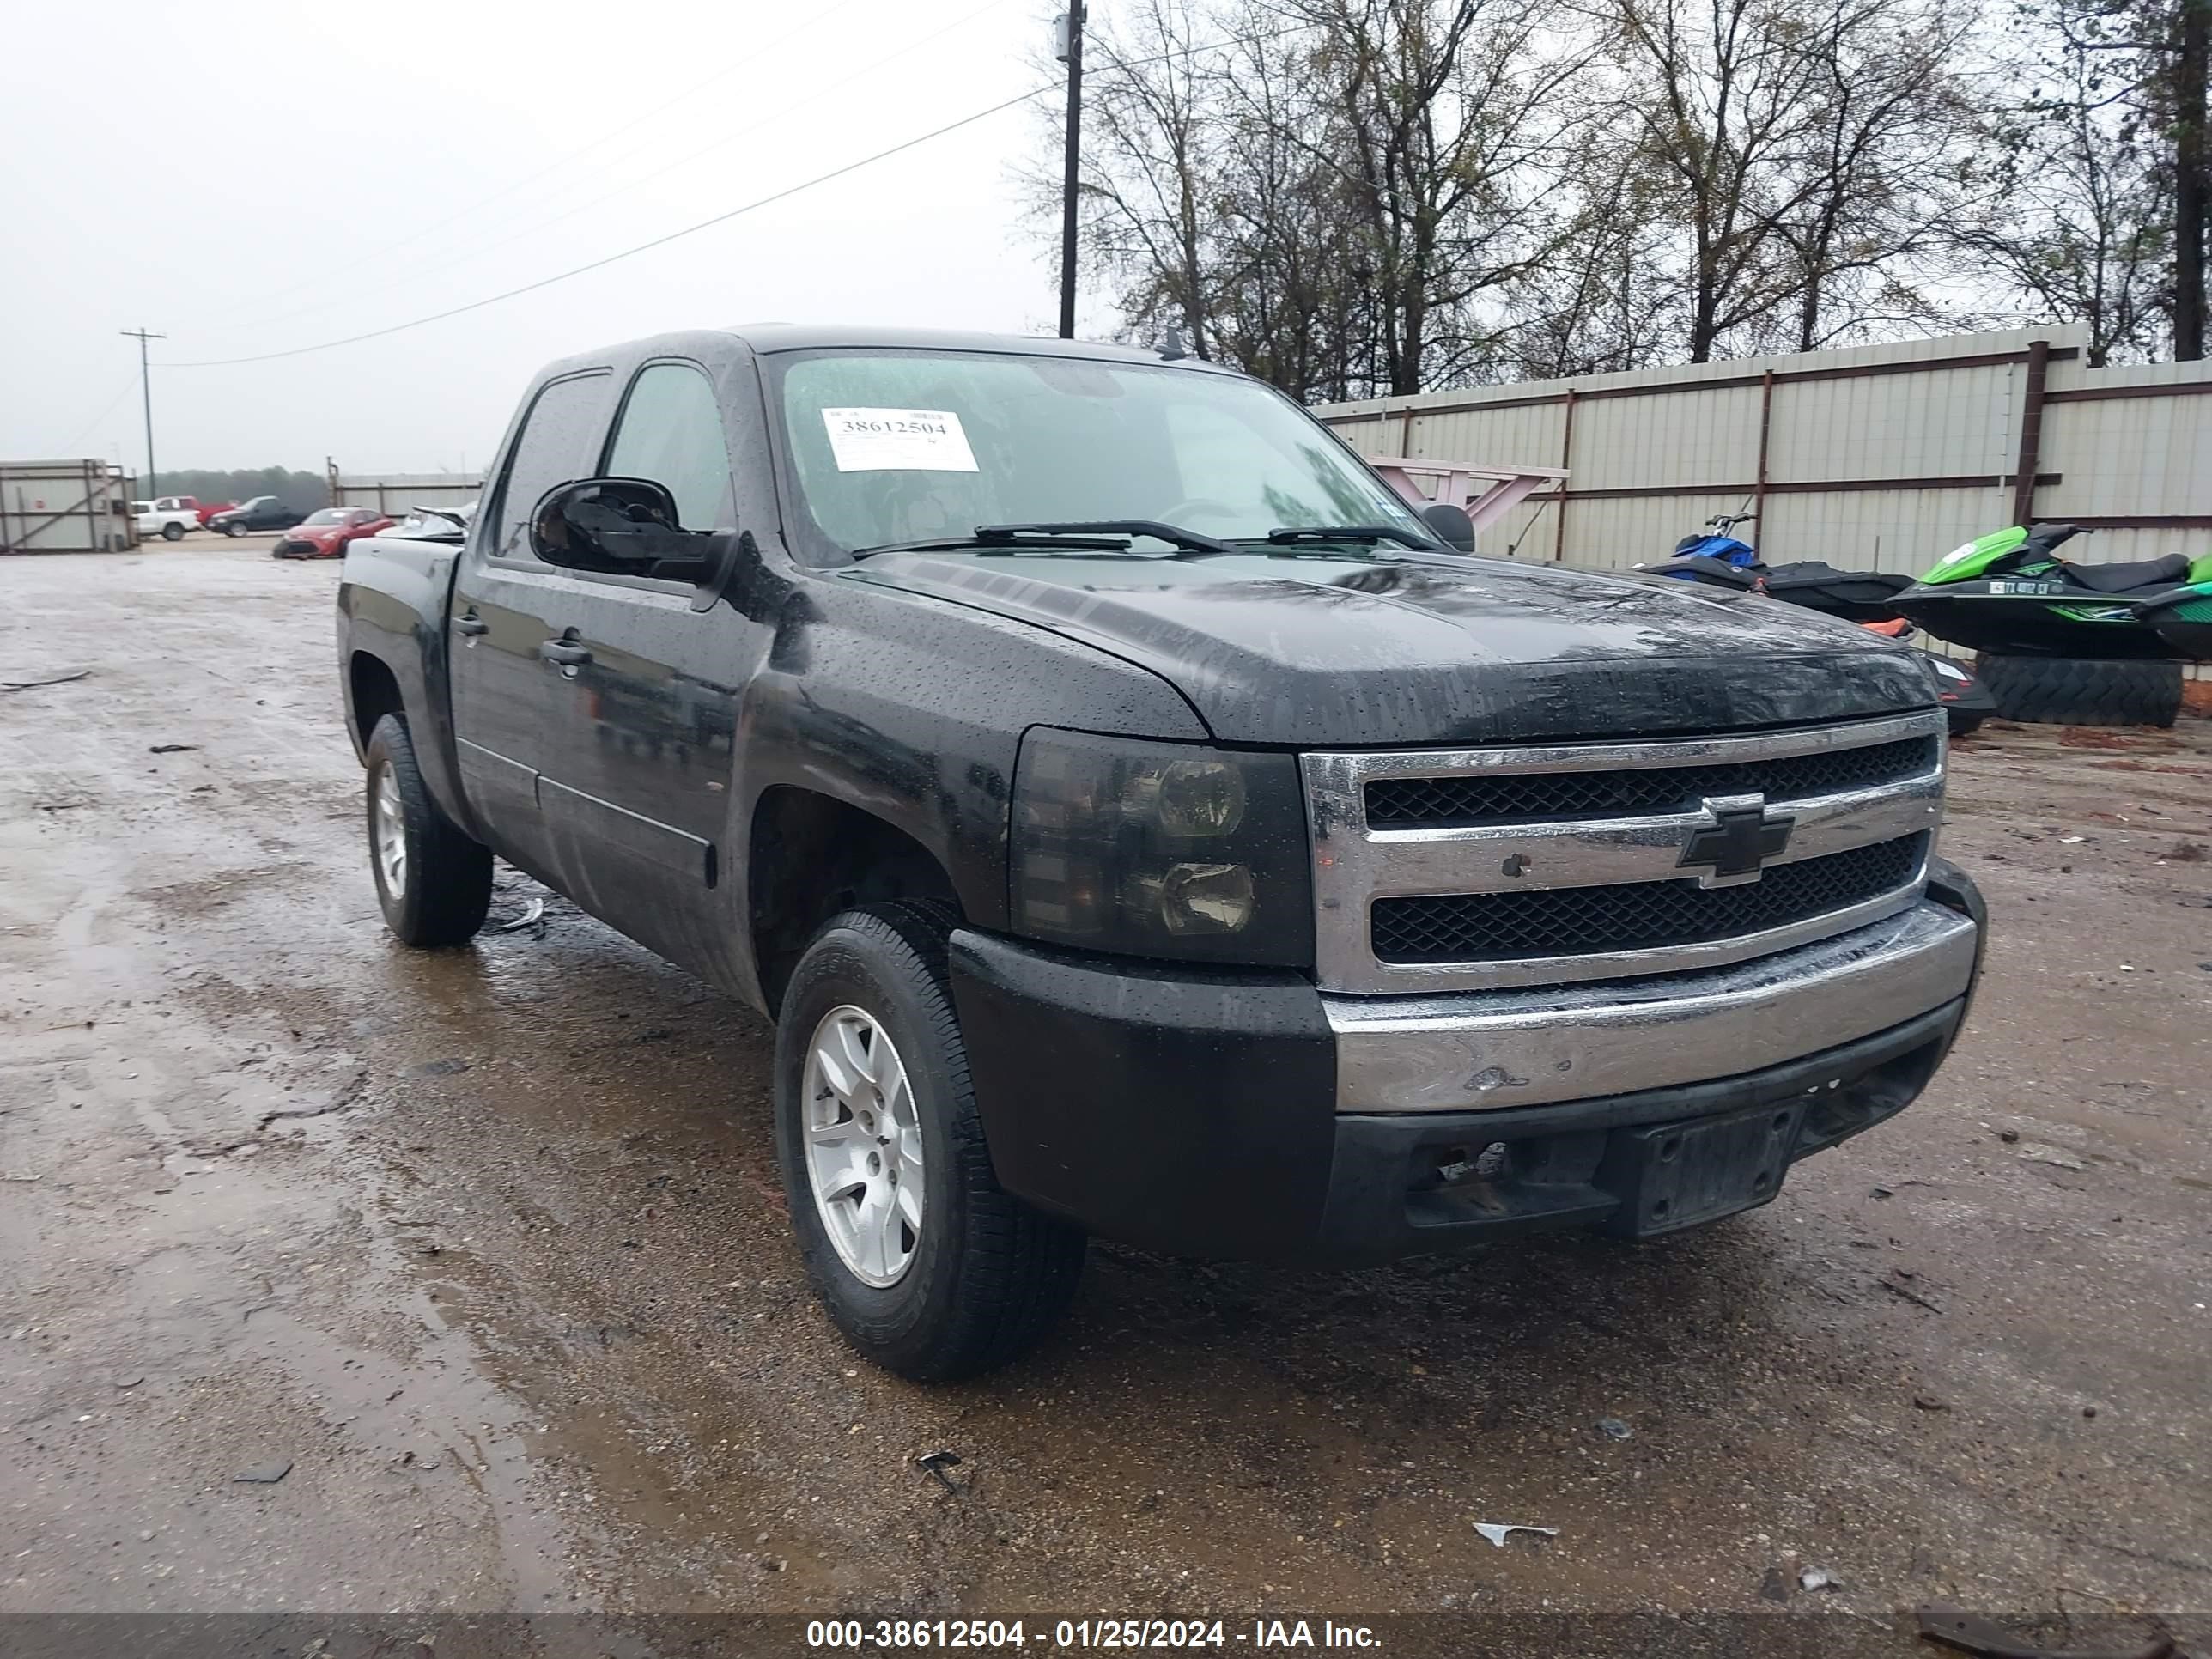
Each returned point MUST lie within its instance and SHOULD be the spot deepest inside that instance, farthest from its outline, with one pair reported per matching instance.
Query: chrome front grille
(1466, 869)
(1636, 915)
(1444, 803)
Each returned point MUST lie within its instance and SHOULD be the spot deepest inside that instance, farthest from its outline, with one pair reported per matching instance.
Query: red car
(324, 534)
(210, 510)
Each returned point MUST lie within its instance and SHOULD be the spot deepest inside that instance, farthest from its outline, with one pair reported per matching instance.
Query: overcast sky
(254, 175)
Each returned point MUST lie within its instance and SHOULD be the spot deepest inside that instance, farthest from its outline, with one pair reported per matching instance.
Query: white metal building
(65, 506)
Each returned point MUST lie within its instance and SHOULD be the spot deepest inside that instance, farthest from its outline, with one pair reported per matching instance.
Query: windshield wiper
(1190, 541)
(1288, 535)
(1086, 536)
(994, 544)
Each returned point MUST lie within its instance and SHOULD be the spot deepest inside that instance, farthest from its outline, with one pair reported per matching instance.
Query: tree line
(303, 492)
(1360, 198)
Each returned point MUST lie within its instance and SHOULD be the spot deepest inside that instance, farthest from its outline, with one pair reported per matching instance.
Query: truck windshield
(891, 447)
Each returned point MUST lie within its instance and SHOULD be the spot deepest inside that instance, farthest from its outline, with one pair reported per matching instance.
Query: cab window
(671, 433)
(555, 447)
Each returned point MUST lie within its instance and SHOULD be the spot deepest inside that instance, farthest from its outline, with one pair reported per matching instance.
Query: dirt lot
(486, 1247)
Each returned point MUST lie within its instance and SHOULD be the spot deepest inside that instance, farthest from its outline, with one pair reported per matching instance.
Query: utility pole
(146, 386)
(2192, 177)
(1071, 53)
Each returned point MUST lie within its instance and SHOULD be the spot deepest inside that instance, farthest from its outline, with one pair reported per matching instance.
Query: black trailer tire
(173, 532)
(433, 880)
(2082, 690)
(982, 1276)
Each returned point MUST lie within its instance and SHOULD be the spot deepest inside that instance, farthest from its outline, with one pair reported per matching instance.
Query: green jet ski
(2184, 618)
(2010, 594)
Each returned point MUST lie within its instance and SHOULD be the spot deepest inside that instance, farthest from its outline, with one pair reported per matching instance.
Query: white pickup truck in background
(169, 517)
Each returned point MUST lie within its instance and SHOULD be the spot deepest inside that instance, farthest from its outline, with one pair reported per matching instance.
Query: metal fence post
(1766, 425)
(2031, 432)
(1567, 463)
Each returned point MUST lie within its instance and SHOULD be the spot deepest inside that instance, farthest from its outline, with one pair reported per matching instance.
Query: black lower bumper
(1195, 1113)
(1637, 1166)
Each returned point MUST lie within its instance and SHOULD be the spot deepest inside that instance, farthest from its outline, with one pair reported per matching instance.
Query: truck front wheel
(929, 1268)
(432, 879)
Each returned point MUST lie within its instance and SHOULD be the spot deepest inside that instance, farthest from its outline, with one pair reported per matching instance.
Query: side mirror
(1451, 525)
(622, 526)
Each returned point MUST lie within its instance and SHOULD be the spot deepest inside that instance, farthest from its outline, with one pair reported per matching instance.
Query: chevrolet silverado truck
(1137, 821)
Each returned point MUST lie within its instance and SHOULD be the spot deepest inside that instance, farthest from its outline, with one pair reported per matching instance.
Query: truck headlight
(1161, 849)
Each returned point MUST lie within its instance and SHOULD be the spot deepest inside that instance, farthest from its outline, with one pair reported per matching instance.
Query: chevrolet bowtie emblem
(1741, 833)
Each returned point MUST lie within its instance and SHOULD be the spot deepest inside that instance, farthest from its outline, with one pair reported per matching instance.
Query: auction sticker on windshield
(899, 440)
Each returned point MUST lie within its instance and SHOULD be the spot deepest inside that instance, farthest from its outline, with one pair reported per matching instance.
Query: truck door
(637, 797)
(510, 699)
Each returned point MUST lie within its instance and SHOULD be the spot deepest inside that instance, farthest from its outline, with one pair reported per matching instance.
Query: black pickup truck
(1137, 820)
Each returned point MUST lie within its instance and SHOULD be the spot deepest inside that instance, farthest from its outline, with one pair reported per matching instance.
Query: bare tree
(1359, 196)
(1808, 154)
(1717, 95)
(1445, 121)
(2079, 227)
(1606, 299)
(2153, 59)
(1342, 196)
(1152, 123)
(1884, 167)
(1293, 295)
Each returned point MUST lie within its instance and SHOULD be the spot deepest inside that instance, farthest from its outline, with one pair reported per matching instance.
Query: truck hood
(1313, 650)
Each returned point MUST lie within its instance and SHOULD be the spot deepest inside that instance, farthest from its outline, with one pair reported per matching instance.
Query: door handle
(471, 623)
(561, 651)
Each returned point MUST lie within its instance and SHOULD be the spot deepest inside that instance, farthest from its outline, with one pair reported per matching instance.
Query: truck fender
(392, 657)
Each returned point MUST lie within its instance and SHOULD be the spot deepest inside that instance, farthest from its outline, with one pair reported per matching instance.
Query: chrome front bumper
(1488, 1050)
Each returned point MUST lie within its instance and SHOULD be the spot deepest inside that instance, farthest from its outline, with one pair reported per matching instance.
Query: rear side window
(671, 432)
(556, 446)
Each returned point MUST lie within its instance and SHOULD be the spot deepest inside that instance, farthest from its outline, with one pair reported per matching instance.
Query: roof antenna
(1171, 349)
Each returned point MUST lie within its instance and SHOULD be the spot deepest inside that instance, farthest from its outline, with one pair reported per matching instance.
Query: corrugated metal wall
(395, 492)
(1809, 442)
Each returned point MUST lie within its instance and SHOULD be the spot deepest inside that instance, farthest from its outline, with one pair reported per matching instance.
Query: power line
(719, 218)
(656, 112)
(544, 225)
(85, 430)
(627, 252)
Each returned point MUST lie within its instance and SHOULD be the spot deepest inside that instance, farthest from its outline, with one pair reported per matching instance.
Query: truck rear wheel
(928, 1267)
(433, 880)
(173, 532)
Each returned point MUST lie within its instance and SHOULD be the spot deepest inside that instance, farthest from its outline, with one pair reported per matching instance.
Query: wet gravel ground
(481, 1253)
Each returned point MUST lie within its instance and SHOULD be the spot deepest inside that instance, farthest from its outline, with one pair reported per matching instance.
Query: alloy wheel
(388, 832)
(863, 1145)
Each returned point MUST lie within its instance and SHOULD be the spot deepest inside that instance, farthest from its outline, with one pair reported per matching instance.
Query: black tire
(988, 1276)
(1965, 726)
(229, 529)
(445, 886)
(2082, 690)
(173, 532)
